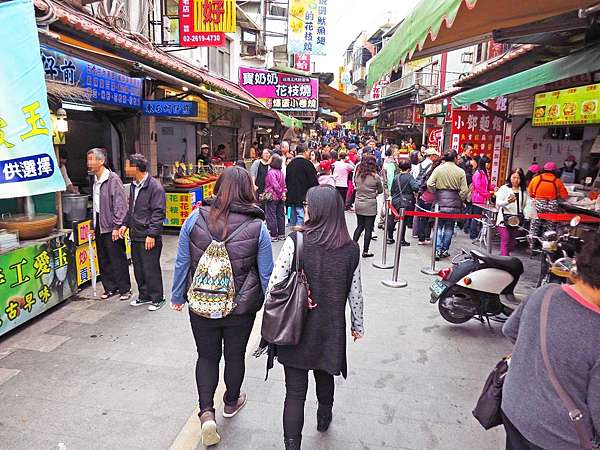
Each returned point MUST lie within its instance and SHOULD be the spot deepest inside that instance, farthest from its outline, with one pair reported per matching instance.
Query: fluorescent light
(76, 106)
(184, 89)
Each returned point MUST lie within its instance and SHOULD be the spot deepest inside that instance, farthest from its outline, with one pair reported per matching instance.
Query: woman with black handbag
(404, 189)
(321, 347)
(511, 200)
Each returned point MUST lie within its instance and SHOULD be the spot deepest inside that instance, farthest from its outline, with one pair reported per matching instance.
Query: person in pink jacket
(480, 194)
(275, 205)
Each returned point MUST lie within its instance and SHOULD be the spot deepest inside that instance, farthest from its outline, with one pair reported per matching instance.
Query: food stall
(36, 260)
(186, 191)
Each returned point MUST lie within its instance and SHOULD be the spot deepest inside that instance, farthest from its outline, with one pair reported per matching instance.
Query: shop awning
(436, 26)
(290, 122)
(586, 61)
(337, 101)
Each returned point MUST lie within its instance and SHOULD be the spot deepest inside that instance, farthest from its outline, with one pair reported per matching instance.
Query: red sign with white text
(435, 138)
(481, 128)
(188, 37)
(302, 62)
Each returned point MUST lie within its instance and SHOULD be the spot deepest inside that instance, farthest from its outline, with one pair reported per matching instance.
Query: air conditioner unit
(466, 58)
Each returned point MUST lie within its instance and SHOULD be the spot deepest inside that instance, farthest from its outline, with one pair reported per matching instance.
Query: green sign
(574, 106)
(34, 278)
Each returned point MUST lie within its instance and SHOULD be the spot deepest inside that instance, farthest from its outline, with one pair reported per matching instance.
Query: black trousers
(366, 224)
(146, 268)
(343, 192)
(423, 223)
(276, 217)
(113, 263)
(514, 439)
(212, 340)
(296, 386)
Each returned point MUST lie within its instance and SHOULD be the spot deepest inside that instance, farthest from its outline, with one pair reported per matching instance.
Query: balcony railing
(429, 81)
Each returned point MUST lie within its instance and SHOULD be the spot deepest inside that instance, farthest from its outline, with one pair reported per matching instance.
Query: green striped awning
(586, 61)
(290, 122)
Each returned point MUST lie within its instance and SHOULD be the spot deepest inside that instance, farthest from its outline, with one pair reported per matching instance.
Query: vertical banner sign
(203, 23)
(27, 159)
(481, 128)
(302, 62)
(307, 27)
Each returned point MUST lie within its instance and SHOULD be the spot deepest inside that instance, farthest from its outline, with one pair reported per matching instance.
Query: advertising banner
(33, 279)
(281, 91)
(574, 106)
(27, 159)
(307, 27)
(302, 62)
(204, 23)
(481, 128)
(169, 108)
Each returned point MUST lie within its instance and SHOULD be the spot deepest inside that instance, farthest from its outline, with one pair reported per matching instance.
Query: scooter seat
(509, 263)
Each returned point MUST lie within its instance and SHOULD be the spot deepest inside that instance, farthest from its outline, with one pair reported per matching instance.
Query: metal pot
(74, 206)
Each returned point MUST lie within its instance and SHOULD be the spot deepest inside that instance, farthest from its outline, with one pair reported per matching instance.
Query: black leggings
(366, 224)
(296, 385)
(343, 192)
(211, 341)
(514, 439)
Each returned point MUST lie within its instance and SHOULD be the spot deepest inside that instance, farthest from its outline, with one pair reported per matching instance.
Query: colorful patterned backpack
(212, 290)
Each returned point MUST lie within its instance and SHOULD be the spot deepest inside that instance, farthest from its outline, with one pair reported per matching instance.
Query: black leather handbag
(287, 304)
(487, 409)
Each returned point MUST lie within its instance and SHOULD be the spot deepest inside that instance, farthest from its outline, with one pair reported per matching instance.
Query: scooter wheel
(451, 316)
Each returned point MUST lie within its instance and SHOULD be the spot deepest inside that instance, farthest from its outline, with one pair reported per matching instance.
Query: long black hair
(522, 180)
(367, 166)
(326, 224)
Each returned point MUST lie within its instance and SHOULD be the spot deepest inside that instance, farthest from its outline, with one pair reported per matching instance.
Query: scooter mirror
(575, 221)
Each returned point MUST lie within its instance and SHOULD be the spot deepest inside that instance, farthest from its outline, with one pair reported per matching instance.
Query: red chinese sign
(302, 62)
(435, 138)
(481, 128)
(203, 23)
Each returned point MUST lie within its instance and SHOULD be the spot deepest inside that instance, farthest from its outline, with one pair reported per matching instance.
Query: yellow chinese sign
(178, 209)
(214, 15)
(574, 106)
(84, 267)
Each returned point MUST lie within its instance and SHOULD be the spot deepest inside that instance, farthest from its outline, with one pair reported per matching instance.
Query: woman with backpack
(222, 269)
(425, 201)
(322, 346)
(368, 187)
(404, 189)
(275, 202)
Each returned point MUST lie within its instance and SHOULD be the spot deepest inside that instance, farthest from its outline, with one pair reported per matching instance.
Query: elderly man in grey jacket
(109, 212)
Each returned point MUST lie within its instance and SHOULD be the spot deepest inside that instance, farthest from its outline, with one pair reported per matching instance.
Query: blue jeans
(444, 235)
(297, 218)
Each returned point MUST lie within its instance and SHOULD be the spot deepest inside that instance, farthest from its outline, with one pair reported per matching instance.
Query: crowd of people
(227, 245)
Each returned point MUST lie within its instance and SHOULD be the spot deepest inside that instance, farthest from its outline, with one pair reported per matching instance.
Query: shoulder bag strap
(203, 223)
(575, 414)
(299, 248)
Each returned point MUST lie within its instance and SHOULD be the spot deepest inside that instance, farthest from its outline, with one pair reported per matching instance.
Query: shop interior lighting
(76, 106)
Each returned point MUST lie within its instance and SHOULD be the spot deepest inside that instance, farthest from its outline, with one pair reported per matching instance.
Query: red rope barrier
(554, 217)
(433, 215)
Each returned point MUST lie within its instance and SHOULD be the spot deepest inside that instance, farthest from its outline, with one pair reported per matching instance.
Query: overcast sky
(347, 18)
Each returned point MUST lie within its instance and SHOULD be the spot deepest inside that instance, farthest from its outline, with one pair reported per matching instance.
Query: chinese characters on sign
(302, 62)
(281, 91)
(307, 27)
(481, 128)
(574, 106)
(169, 108)
(27, 156)
(204, 23)
(103, 85)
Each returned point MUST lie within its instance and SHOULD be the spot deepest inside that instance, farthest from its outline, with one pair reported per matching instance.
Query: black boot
(292, 444)
(324, 417)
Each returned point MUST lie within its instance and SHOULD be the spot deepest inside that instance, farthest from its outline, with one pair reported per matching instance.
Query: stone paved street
(102, 375)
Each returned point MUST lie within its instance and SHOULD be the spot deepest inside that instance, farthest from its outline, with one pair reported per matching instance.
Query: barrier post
(431, 269)
(489, 227)
(394, 282)
(384, 264)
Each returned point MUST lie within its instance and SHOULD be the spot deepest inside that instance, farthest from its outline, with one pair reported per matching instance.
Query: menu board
(573, 106)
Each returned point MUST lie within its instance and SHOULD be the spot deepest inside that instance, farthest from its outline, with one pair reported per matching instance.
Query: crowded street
(299, 224)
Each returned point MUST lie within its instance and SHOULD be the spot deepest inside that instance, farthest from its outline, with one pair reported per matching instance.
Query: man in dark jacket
(109, 210)
(301, 175)
(449, 183)
(145, 221)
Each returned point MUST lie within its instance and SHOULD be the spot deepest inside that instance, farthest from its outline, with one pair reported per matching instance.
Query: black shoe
(374, 237)
(438, 256)
(391, 241)
(324, 417)
(292, 444)
(367, 255)
(445, 254)
(405, 244)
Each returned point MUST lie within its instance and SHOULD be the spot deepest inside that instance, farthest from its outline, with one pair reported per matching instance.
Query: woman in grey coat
(368, 186)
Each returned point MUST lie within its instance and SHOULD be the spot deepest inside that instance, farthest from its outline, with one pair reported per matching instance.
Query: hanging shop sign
(27, 158)
(34, 278)
(574, 106)
(307, 27)
(104, 85)
(481, 128)
(281, 91)
(302, 62)
(435, 139)
(169, 108)
(203, 23)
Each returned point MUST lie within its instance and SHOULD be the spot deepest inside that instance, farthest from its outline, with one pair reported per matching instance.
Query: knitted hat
(325, 165)
(550, 165)
(534, 168)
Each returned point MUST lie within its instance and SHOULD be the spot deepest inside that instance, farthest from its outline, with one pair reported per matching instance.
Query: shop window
(219, 60)
(565, 133)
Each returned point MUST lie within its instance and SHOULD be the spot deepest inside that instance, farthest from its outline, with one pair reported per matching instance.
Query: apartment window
(482, 50)
(219, 60)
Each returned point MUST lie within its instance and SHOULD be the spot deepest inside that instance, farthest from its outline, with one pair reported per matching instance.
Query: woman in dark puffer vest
(322, 347)
(251, 259)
